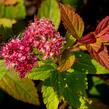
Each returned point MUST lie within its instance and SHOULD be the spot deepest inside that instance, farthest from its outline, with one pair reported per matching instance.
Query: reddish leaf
(72, 21)
(102, 25)
(88, 39)
(104, 35)
(102, 30)
(97, 48)
(101, 56)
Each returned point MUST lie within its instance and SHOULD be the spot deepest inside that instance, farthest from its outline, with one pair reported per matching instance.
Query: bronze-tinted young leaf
(72, 21)
(1, 1)
(66, 62)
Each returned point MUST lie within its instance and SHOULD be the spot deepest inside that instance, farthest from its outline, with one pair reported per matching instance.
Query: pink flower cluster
(41, 35)
(18, 55)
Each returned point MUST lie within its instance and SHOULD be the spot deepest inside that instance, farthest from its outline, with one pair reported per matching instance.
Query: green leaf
(6, 29)
(5, 33)
(84, 103)
(50, 9)
(50, 97)
(99, 68)
(43, 71)
(70, 40)
(94, 91)
(74, 3)
(70, 85)
(39, 54)
(3, 69)
(84, 63)
(18, 13)
(7, 22)
(96, 82)
(20, 89)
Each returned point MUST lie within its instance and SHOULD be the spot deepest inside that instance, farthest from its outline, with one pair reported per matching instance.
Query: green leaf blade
(84, 63)
(70, 85)
(50, 97)
(2, 69)
(50, 9)
(74, 3)
(99, 68)
(7, 22)
(23, 90)
(18, 13)
(41, 73)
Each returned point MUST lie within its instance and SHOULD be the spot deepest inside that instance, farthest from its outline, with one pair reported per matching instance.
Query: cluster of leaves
(64, 79)
(8, 17)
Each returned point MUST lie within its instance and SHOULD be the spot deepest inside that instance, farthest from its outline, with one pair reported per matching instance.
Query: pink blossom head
(17, 55)
(41, 34)
(9, 51)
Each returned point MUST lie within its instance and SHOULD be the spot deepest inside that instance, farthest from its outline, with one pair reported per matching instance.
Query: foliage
(23, 90)
(7, 11)
(50, 97)
(72, 21)
(47, 10)
(7, 22)
(3, 69)
(74, 3)
(61, 64)
(70, 85)
(8, 17)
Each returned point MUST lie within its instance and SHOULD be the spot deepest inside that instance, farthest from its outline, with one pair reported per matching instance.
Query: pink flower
(42, 35)
(17, 54)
